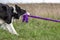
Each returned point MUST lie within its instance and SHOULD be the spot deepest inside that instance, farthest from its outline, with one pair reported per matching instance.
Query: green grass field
(36, 29)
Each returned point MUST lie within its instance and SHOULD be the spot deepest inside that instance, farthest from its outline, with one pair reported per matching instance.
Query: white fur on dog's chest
(1, 21)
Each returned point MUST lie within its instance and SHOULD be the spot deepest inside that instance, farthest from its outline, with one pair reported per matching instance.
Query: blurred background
(29, 1)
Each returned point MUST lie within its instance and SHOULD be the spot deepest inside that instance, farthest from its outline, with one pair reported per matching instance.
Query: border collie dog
(7, 14)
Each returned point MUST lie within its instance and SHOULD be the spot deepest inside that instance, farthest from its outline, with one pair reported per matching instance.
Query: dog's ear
(4, 8)
(17, 8)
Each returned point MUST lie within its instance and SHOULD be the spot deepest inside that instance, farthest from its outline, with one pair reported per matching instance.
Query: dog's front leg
(11, 28)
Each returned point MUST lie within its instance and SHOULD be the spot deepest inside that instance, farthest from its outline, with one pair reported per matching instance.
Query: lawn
(35, 29)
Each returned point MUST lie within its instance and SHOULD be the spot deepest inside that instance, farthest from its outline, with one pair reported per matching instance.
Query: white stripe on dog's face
(14, 10)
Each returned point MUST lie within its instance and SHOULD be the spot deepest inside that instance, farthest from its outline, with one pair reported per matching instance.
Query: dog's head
(19, 11)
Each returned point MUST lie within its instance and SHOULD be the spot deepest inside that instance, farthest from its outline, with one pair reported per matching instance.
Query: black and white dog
(7, 14)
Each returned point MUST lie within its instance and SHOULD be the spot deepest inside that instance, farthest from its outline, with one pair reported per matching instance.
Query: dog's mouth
(27, 13)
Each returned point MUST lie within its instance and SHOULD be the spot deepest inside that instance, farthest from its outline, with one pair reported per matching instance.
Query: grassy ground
(34, 30)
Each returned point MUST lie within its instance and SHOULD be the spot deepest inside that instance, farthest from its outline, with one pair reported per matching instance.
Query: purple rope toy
(25, 18)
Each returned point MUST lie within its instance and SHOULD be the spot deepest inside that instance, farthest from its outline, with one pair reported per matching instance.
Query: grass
(34, 30)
